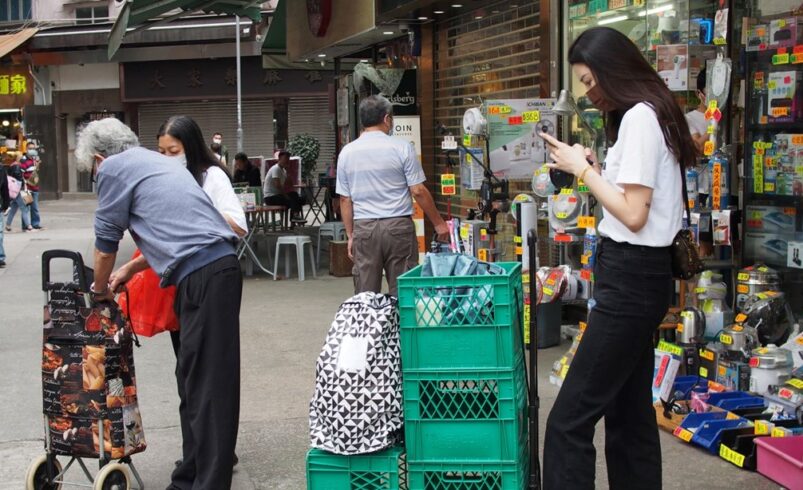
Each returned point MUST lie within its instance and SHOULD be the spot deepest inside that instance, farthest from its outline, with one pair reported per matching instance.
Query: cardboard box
(770, 219)
(769, 248)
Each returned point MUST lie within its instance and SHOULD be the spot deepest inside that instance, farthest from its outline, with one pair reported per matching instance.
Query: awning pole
(239, 93)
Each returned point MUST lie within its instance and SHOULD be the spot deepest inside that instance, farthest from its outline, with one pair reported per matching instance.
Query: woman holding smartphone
(640, 191)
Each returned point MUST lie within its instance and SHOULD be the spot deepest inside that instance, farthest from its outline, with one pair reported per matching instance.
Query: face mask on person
(33, 153)
(217, 140)
(180, 159)
(594, 94)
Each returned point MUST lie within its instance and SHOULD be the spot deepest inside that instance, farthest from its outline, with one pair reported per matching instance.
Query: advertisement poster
(408, 128)
(673, 65)
(516, 149)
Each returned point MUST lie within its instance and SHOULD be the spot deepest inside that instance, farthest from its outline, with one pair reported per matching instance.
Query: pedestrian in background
(5, 202)
(245, 172)
(18, 203)
(217, 139)
(275, 188)
(377, 179)
(191, 246)
(30, 172)
(641, 195)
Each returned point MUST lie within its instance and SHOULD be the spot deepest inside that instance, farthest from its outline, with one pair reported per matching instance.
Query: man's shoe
(8, 228)
(3, 266)
(39, 228)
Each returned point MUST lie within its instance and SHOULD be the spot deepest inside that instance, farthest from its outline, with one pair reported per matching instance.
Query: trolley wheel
(113, 476)
(37, 478)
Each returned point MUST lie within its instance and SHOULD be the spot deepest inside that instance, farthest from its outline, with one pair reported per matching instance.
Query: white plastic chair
(298, 241)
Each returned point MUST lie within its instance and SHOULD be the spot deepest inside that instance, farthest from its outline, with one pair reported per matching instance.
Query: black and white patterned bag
(357, 404)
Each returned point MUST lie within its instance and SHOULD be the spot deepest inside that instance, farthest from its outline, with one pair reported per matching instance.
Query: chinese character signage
(16, 87)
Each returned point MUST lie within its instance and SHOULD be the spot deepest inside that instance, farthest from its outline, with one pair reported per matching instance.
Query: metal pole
(239, 93)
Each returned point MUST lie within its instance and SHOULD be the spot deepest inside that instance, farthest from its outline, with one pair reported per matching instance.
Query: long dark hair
(626, 79)
(199, 156)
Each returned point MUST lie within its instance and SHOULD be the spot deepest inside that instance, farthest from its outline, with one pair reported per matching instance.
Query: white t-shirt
(697, 122)
(275, 172)
(218, 187)
(640, 156)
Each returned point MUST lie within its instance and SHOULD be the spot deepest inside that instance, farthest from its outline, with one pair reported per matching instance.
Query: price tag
(742, 276)
(665, 346)
(737, 328)
(799, 340)
(772, 84)
(780, 59)
(515, 120)
(785, 393)
(483, 234)
(531, 116)
(584, 259)
(581, 187)
(448, 187)
(731, 415)
(519, 250)
(464, 232)
(505, 109)
(550, 281)
(587, 275)
(726, 339)
(679, 328)
(525, 279)
(704, 372)
(548, 291)
(796, 58)
(731, 456)
(797, 139)
(741, 316)
(780, 111)
(708, 148)
(795, 382)
(517, 239)
(778, 432)
(564, 370)
(482, 254)
(586, 222)
(761, 428)
(467, 142)
(561, 215)
(683, 434)
(707, 354)
(567, 191)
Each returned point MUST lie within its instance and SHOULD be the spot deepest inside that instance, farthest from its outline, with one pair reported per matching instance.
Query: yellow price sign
(778, 432)
(726, 339)
(586, 222)
(708, 148)
(761, 428)
(505, 109)
(531, 116)
(731, 456)
(712, 105)
(707, 354)
(704, 372)
(795, 382)
(568, 191)
(772, 84)
(744, 276)
(561, 215)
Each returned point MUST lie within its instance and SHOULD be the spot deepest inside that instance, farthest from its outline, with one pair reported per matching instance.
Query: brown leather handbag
(686, 262)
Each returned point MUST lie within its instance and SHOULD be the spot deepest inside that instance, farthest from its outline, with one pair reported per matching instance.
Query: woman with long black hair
(639, 188)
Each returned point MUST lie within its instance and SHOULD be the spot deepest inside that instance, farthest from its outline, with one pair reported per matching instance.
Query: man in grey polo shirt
(377, 177)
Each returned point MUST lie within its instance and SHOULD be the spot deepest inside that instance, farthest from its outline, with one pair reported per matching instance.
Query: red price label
(515, 120)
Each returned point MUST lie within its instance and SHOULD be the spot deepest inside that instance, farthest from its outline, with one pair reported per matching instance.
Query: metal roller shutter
(215, 116)
(310, 116)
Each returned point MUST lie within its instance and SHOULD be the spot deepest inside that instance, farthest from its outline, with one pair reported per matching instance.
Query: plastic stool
(298, 241)
(335, 230)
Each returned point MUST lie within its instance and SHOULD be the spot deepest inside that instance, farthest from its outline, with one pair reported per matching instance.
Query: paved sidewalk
(283, 327)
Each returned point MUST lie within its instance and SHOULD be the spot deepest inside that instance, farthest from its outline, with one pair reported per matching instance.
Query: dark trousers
(611, 376)
(208, 373)
(292, 200)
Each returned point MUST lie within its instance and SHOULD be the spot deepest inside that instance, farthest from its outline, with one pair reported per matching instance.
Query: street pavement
(283, 326)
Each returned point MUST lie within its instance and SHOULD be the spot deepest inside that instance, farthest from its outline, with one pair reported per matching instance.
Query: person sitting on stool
(274, 188)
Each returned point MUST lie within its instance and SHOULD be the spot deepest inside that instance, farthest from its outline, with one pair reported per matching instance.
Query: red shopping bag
(149, 307)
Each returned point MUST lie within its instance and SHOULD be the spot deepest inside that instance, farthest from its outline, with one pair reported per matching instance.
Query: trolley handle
(78, 265)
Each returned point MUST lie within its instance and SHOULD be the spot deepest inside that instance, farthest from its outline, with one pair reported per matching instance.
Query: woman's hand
(571, 159)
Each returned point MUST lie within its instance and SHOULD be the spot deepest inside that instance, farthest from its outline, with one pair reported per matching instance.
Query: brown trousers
(387, 245)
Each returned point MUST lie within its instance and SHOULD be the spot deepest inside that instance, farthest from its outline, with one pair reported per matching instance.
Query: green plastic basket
(461, 322)
(470, 476)
(476, 416)
(383, 470)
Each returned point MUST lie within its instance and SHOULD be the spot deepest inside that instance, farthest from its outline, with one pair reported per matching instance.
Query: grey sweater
(168, 214)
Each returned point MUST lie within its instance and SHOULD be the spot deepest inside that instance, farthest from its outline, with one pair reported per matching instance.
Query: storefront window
(11, 10)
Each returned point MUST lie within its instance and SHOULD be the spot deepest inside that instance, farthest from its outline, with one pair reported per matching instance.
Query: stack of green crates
(465, 390)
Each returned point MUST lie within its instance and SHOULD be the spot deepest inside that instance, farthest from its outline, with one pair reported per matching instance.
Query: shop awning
(276, 38)
(140, 14)
(10, 42)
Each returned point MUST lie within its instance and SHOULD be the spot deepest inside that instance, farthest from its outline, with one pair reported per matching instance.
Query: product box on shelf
(769, 248)
(783, 32)
(770, 219)
(757, 37)
(733, 375)
(664, 373)
(781, 103)
(709, 362)
(794, 255)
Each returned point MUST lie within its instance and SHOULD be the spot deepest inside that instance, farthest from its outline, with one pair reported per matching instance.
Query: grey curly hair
(105, 137)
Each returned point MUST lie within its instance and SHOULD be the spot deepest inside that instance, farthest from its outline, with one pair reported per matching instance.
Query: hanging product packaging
(718, 164)
(691, 187)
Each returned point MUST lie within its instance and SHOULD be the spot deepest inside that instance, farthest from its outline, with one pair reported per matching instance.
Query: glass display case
(773, 145)
(676, 37)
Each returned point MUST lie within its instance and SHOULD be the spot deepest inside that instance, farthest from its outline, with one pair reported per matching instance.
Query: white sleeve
(218, 187)
(642, 143)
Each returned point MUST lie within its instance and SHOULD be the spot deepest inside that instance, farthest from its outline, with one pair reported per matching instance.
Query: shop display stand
(534, 400)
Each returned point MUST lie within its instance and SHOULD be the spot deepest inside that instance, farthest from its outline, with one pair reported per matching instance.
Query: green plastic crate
(461, 322)
(470, 476)
(477, 416)
(383, 470)
(473, 347)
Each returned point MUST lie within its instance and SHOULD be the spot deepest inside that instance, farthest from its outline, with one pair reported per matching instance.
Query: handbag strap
(685, 196)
